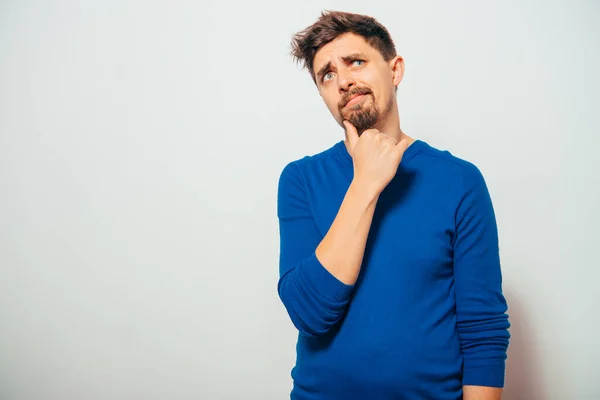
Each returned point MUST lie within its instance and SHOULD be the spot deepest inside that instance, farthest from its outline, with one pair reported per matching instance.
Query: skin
(344, 67)
(369, 71)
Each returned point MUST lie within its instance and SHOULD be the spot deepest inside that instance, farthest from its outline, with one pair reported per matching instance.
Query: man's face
(355, 82)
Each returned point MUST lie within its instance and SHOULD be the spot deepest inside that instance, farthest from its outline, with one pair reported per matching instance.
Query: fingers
(403, 144)
(352, 136)
(351, 133)
(399, 146)
(387, 138)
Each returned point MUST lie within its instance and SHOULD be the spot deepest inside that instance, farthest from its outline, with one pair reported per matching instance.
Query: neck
(390, 125)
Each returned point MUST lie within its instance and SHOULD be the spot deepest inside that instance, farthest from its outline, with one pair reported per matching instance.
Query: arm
(480, 304)
(341, 251)
(317, 274)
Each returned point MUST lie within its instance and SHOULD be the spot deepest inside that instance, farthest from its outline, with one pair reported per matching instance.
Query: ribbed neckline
(342, 152)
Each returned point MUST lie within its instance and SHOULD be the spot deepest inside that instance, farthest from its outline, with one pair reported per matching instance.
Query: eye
(358, 61)
(327, 76)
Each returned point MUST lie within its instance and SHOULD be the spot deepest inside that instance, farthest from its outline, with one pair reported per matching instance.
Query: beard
(364, 115)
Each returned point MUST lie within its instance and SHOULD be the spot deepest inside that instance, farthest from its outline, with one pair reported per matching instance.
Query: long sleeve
(480, 304)
(314, 299)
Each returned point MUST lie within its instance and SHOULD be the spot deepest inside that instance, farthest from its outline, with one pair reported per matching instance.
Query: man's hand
(375, 155)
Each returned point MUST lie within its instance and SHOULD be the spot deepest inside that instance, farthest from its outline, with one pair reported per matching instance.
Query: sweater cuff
(488, 375)
(324, 283)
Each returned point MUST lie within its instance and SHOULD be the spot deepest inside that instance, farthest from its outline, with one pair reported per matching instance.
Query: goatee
(363, 115)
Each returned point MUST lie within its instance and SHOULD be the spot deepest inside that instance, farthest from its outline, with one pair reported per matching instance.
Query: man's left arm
(480, 304)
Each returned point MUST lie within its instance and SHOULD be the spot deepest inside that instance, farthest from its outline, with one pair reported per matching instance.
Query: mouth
(355, 100)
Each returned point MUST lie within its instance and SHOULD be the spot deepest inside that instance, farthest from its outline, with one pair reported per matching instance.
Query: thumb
(403, 144)
(351, 133)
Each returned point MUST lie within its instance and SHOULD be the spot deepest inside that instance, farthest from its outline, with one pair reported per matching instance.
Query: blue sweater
(427, 314)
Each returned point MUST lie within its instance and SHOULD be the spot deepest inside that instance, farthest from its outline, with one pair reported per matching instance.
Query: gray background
(140, 147)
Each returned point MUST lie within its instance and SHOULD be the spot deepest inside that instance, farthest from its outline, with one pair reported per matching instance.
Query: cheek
(384, 93)
(332, 105)
(381, 82)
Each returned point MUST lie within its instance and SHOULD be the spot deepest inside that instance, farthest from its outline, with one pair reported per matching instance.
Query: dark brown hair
(332, 24)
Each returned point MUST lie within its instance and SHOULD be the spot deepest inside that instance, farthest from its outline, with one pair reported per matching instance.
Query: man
(389, 263)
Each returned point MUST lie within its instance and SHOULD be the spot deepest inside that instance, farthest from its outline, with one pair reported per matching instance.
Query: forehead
(341, 46)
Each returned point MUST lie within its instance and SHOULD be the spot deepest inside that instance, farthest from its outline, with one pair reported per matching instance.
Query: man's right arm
(317, 274)
(341, 250)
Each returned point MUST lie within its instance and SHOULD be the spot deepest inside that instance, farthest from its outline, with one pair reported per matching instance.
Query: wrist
(364, 190)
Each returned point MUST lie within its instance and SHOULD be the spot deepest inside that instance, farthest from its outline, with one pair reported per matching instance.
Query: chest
(412, 229)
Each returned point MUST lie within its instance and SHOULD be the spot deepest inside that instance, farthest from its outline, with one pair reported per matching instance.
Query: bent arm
(317, 274)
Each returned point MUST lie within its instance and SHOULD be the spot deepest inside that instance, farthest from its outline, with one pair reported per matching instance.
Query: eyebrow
(347, 58)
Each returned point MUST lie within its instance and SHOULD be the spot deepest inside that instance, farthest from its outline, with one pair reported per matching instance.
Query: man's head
(352, 60)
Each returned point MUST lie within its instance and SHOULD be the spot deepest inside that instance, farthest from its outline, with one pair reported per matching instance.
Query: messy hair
(332, 24)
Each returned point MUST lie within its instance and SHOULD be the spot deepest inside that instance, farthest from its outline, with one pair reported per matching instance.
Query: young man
(389, 264)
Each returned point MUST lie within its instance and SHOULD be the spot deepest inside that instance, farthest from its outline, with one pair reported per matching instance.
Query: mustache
(358, 91)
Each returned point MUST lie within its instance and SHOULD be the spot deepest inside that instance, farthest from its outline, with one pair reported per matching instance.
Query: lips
(355, 98)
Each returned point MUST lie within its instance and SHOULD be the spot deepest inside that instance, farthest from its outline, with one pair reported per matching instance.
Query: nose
(345, 81)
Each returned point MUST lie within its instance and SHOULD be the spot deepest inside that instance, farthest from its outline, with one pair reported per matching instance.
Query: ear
(397, 67)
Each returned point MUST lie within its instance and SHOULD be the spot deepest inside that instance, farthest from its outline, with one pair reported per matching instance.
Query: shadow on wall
(524, 380)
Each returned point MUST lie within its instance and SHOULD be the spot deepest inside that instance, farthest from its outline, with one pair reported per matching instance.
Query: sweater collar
(341, 150)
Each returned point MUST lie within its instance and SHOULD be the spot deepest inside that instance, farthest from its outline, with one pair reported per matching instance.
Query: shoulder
(445, 164)
(296, 170)
(300, 174)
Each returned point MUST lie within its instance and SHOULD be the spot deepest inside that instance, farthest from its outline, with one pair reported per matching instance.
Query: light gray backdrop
(140, 147)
